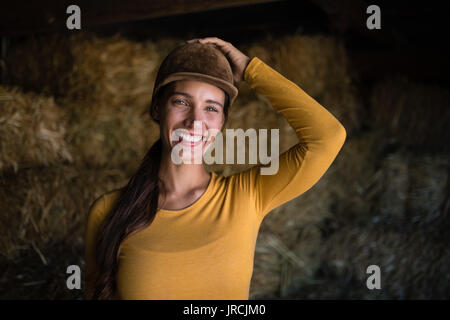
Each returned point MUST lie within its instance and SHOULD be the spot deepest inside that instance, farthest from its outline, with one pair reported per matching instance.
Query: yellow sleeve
(320, 134)
(95, 217)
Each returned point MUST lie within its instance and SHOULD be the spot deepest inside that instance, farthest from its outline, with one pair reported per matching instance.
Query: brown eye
(179, 101)
(212, 109)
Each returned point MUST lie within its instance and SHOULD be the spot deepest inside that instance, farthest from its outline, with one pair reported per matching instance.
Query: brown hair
(135, 209)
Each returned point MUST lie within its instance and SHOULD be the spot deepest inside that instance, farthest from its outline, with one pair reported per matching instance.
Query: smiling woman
(191, 115)
(176, 231)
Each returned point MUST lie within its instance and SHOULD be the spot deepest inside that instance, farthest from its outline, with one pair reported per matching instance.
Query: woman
(177, 231)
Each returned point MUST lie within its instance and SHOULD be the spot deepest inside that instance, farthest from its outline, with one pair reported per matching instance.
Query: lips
(188, 137)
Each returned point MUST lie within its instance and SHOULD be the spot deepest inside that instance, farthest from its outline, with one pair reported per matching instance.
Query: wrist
(247, 62)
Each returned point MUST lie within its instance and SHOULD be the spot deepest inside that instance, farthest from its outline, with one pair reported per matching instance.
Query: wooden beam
(19, 17)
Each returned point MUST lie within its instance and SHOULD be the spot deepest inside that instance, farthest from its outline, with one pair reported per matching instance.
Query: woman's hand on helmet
(237, 59)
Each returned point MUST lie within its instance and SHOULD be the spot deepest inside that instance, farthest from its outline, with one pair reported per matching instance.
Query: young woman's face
(192, 116)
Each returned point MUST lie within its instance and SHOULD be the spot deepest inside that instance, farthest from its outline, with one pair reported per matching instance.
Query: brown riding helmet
(195, 61)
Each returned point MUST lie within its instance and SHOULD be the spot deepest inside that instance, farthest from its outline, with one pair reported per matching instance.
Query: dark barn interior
(71, 128)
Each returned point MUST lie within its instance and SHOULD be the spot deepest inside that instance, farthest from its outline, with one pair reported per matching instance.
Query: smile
(188, 137)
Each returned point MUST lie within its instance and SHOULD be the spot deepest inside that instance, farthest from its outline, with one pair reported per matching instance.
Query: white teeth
(189, 138)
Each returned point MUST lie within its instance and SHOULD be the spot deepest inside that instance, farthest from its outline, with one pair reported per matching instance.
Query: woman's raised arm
(320, 134)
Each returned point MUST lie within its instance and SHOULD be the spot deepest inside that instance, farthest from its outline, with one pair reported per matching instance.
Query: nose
(193, 115)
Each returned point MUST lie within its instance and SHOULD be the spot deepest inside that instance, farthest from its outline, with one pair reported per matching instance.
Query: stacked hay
(28, 277)
(40, 64)
(32, 131)
(371, 206)
(400, 228)
(413, 263)
(43, 218)
(344, 193)
(110, 88)
(352, 178)
(388, 202)
(42, 205)
(104, 86)
(412, 114)
(319, 65)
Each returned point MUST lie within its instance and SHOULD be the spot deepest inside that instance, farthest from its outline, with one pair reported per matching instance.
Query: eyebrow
(189, 96)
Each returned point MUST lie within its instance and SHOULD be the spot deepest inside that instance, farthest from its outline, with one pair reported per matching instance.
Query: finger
(224, 46)
(214, 40)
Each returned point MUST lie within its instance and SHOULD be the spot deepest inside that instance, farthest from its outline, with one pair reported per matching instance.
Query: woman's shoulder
(103, 204)
(110, 198)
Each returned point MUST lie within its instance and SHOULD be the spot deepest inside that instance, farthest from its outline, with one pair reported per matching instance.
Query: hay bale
(319, 65)
(394, 186)
(352, 179)
(27, 277)
(104, 89)
(112, 138)
(40, 63)
(412, 265)
(289, 237)
(32, 130)
(111, 87)
(403, 232)
(412, 114)
(86, 67)
(281, 269)
(111, 70)
(429, 193)
(370, 208)
(43, 206)
(346, 192)
(414, 190)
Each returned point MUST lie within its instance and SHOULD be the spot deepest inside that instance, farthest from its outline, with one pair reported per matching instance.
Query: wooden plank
(25, 17)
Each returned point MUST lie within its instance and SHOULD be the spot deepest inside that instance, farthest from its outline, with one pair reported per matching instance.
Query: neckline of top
(204, 197)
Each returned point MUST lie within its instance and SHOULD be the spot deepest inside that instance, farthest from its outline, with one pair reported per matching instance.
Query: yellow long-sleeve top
(206, 250)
